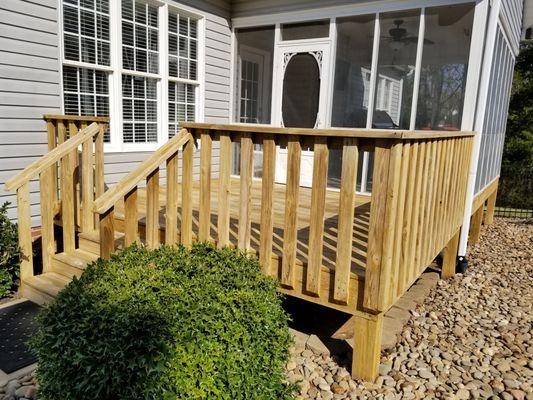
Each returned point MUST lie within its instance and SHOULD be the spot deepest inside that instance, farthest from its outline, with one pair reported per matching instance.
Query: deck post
(107, 234)
(491, 205)
(449, 260)
(475, 227)
(367, 345)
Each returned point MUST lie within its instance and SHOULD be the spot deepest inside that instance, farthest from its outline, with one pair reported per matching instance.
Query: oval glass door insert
(301, 91)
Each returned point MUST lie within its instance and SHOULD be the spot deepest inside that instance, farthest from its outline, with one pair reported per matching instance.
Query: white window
(182, 70)
(86, 35)
(181, 105)
(139, 109)
(140, 37)
(137, 61)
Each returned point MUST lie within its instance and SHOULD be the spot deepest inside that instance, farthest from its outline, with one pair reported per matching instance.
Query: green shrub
(9, 252)
(165, 324)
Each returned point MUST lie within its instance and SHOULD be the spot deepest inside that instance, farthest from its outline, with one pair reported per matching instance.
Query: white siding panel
(29, 87)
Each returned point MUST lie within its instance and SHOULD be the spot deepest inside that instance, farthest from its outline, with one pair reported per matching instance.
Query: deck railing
(417, 206)
(62, 199)
(417, 203)
(127, 190)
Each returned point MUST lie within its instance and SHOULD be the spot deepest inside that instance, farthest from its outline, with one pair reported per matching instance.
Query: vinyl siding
(30, 87)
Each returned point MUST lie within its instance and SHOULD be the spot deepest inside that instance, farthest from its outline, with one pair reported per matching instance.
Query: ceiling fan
(399, 36)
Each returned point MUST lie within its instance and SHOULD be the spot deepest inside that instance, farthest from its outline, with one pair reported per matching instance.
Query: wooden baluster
(290, 234)
(452, 193)
(435, 198)
(99, 183)
(318, 209)
(428, 216)
(385, 185)
(73, 131)
(131, 217)
(24, 232)
(247, 163)
(409, 222)
(152, 209)
(442, 232)
(398, 224)
(442, 227)
(350, 154)
(61, 132)
(99, 161)
(87, 185)
(422, 207)
(463, 178)
(107, 234)
(224, 190)
(205, 186)
(267, 197)
(67, 203)
(52, 144)
(171, 215)
(186, 196)
(47, 218)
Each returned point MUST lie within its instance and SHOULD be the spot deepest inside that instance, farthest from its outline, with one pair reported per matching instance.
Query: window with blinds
(123, 75)
(140, 37)
(86, 40)
(139, 109)
(86, 31)
(182, 70)
(181, 105)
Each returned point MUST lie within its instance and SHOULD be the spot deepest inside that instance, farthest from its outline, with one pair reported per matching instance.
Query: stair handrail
(45, 169)
(47, 160)
(106, 201)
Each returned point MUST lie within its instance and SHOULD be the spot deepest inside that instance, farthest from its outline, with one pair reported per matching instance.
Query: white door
(300, 89)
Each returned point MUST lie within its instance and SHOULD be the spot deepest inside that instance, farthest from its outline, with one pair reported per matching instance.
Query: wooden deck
(332, 247)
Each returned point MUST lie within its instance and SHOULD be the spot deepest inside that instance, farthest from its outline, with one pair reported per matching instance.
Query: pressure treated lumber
(205, 186)
(171, 210)
(224, 190)
(350, 156)
(294, 154)
(246, 175)
(367, 346)
(267, 198)
(316, 229)
(24, 232)
(449, 260)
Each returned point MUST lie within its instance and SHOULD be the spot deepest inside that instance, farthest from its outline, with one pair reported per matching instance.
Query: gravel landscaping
(471, 338)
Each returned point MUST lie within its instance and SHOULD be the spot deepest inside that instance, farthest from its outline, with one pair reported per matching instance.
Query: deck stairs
(43, 288)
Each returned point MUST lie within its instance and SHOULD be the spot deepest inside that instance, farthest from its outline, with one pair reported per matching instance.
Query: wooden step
(72, 264)
(42, 289)
(89, 242)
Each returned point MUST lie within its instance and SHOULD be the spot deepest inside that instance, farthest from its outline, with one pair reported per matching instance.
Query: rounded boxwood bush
(172, 323)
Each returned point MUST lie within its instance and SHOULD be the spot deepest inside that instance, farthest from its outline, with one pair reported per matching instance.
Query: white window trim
(115, 72)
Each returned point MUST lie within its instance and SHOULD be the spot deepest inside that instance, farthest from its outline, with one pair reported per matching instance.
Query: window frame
(115, 71)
